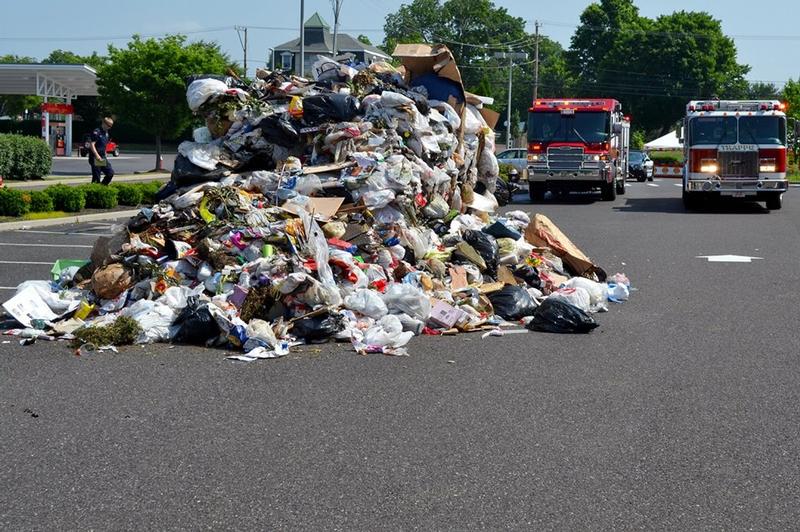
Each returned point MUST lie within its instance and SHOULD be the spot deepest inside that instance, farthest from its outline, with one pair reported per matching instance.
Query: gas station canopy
(57, 81)
(50, 81)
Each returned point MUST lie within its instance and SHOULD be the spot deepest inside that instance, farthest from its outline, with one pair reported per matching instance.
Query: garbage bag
(500, 230)
(560, 317)
(333, 107)
(201, 90)
(279, 130)
(195, 324)
(485, 245)
(576, 296)
(388, 331)
(529, 275)
(407, 299)
(153, 317)
(110, 281)
(366, 302)
(598, 292)
(512, 302)
(185, 173)
(318, 327)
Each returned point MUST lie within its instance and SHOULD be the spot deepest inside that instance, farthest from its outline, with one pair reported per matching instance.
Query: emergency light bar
(736, 105)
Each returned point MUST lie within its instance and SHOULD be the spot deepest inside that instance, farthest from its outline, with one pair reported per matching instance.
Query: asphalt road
(126, 163)
(679, 412)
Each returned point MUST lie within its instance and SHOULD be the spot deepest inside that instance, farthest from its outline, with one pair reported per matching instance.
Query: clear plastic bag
(407, 299)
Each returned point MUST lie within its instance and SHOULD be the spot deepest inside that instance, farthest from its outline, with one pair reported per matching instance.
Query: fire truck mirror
(679, 134)
(617, 128)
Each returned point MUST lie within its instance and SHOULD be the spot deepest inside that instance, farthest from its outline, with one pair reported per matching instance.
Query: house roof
(345, 43)
(316, 21)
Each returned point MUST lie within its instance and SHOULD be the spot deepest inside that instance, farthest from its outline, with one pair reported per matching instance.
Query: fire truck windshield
(587, 127)
(729, 129)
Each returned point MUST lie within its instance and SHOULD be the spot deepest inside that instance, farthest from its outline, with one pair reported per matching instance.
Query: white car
(516, 157)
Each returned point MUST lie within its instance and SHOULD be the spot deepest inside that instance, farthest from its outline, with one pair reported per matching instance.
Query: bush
(100, 196)
(41, 201)
(129, 194)
(24, 157)
(13, 202)
(666, 157)
(66, 198)
(149, 191)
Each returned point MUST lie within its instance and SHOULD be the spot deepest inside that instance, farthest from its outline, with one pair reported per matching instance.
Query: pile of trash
(357, 206)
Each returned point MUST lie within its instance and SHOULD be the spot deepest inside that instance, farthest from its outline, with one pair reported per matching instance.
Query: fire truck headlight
(709, 166)
(767, 166)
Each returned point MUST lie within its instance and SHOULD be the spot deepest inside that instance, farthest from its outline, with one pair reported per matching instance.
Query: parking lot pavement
(127, 163)
(30, 254)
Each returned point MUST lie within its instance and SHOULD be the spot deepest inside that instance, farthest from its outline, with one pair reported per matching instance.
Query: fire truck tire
(536, 191)
(621, 187)
(608, 192)
(775, 202)
(691, 200)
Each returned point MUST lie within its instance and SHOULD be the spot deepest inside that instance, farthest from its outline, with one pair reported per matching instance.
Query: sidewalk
(64, 180)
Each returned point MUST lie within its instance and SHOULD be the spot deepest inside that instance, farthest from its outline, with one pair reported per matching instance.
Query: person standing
(98, 159)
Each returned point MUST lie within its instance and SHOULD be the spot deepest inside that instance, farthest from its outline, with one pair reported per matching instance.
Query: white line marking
(8, 288)
(60, 233)
(729, 258)
(652, 185)
(45, 245)
(24, 262)
(678, 184)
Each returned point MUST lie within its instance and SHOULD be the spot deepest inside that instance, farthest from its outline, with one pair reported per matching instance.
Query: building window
(286, 60)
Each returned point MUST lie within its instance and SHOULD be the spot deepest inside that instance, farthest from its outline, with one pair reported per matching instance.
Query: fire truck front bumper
(597, 175)
(737, 188)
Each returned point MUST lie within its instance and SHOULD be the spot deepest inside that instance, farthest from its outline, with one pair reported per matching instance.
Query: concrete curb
(76, 219)
(129, 178)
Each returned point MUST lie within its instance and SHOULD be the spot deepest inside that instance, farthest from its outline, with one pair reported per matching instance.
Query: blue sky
(766, 33)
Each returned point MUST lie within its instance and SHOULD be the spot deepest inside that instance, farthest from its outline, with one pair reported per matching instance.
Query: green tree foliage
(364, 39)
(145, 83)
(791, 95)
(654, 66)
(760, 90)
(87, 107)
(637, 140)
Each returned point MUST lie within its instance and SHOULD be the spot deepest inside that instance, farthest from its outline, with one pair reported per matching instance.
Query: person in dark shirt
(98, 159)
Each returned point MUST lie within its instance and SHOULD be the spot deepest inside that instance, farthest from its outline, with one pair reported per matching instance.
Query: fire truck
(577, 145)
(736, 149)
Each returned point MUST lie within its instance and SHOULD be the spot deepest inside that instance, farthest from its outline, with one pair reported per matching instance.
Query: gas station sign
(58, 108)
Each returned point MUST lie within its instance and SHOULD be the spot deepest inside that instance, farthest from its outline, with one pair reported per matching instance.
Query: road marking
(23, 262)
(729, 258)
(652, 185)
(678, 184)
(60, 233)
(8, 287)
(44, 245)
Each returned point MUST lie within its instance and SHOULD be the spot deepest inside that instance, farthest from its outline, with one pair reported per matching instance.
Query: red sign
(58, 108)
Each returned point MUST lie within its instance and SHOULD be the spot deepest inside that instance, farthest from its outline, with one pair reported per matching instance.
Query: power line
(115, 37)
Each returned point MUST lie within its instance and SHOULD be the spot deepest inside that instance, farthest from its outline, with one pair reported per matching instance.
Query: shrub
(13, 202)
(149, 191)
(23, 157)
(129, 194)
(666, 157)
(66, 198)
(41, 201)
(100, 196)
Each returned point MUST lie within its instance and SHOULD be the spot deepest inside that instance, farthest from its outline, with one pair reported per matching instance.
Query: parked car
(640, 166)
(111, 148)
(516, 157)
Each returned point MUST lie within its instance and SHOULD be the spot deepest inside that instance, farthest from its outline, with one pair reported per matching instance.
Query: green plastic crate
(63, 264)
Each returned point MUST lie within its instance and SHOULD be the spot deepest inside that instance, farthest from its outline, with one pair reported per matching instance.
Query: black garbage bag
(529, 275)
(195, 324)
(512, 302)
(279, 130)
(185, 173)
(485, 245)
(319, 327)
(333, 107)
(500, 230)
(561, 317)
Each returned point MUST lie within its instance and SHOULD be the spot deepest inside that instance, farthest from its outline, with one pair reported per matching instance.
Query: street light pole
(302, 38)
(510, 56)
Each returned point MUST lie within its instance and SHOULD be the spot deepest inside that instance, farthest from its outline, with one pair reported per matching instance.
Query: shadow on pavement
(675, 206)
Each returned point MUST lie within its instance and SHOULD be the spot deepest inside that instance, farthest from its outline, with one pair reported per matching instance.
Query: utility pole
(337, 7)
(536, 65)
(510, 56)
(302, 38)
(243, 43)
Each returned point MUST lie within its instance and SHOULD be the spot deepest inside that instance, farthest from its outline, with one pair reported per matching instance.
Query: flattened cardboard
(323, 208)
(542, 232)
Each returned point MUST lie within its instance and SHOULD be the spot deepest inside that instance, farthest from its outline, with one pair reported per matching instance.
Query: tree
(791, 95)
(637, 140)
(146, 82)
(15, 105)
(87, 107)
(364, 39)
(760, 90)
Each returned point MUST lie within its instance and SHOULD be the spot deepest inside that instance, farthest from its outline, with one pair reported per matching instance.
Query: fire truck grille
(565, 158)
(738, 164)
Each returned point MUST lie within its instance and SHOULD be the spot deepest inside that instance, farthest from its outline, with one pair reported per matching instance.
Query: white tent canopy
(668, 142)
(50, 81)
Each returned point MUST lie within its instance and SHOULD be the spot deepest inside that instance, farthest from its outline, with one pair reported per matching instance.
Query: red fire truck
(577, 145)
(735, 149)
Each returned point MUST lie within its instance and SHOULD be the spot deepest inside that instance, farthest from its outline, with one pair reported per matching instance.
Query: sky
(766, 34)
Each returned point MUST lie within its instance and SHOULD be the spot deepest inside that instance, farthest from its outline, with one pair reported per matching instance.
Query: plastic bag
(388, 331)
(329, 108)
(201, 90)
(279, 130)
(366, 302)
(186, 173)
(560, 317)
(512, 302)
(320, 327)
(153, 317)
(529, 275)
(618, 292)
(578, 297)
(485, 245)
(407, 299)
(203, 155)
(195, 324)
(598, 292)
